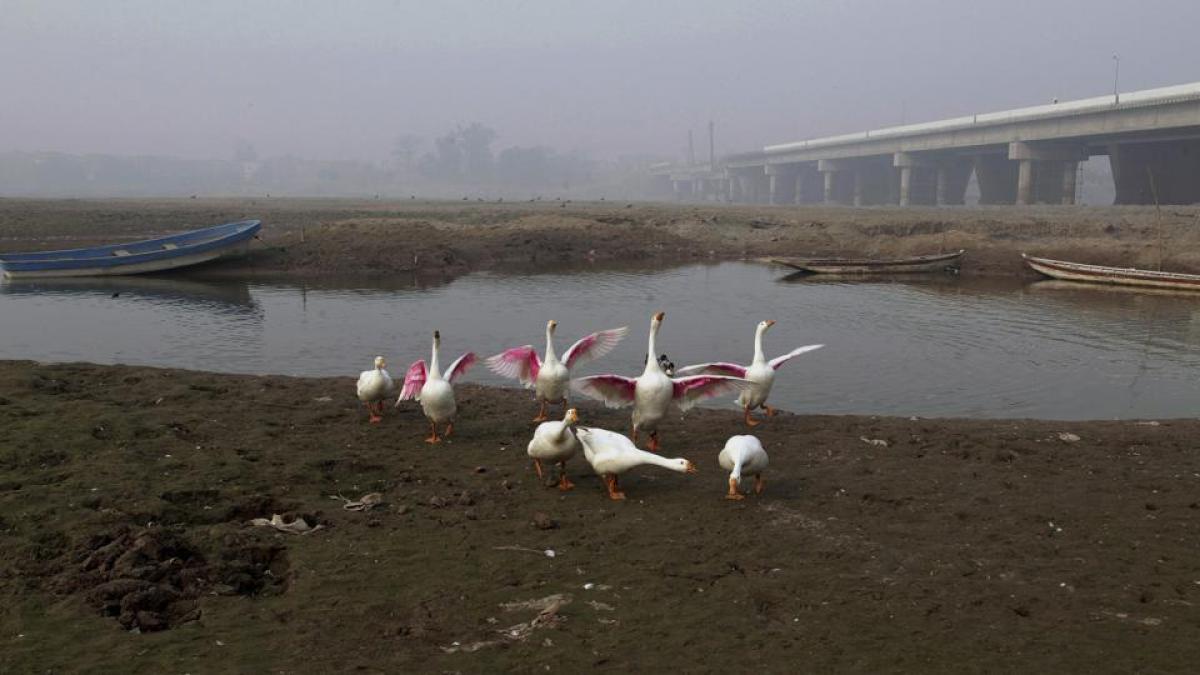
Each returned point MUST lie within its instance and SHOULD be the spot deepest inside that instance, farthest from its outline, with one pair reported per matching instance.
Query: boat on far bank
(136, 257)
(938, 262)
(1103, 274)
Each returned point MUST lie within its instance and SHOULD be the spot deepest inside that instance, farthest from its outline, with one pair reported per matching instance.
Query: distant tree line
(464, 156)
(461, 161)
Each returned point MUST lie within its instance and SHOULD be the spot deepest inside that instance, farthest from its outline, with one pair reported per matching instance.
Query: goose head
(681, 465)
(572, 417)
(551, 325)
(763, 326)
(380, 363)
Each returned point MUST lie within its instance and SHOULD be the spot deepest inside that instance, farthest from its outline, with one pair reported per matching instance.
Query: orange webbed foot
(733, 494)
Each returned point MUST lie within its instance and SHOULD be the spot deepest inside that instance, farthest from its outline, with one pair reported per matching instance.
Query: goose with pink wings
(652, 393)
(550, 377)
(435, 391)
(760, 373)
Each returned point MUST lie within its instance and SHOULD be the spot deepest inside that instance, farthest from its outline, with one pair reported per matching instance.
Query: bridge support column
(1175, 167)
(839, 185)
(1025, 182)
(952, 177)
(915, 173)
(1069, 174)
(997, 176)
(783, 183)
(1041, 173)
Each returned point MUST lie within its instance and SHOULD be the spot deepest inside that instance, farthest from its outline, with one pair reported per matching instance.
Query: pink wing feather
(614, 390)
(594, 346)
(460, 366)
(780, 360)
(414, 379)
(691, 390)
(715, 368)
(520, 363)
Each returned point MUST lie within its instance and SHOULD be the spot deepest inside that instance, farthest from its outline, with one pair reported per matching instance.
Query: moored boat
(937, 262)
(137, 257)
(1103, 274)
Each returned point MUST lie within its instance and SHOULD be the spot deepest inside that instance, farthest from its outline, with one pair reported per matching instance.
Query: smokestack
(691, 149)
(712, 157)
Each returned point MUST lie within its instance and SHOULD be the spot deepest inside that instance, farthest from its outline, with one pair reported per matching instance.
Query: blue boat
(138, 257)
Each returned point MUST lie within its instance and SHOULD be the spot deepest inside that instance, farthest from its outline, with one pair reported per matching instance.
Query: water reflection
(934, 345)
(164, 289)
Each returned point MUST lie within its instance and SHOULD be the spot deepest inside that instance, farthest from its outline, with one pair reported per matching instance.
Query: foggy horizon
(602, 79)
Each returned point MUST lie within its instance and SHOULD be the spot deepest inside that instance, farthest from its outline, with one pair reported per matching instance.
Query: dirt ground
(880, 544)
(369, 237)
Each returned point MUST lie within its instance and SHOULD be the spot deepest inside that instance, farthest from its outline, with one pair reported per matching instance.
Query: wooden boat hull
(1102, 274)
(139, 257)
(927, 263)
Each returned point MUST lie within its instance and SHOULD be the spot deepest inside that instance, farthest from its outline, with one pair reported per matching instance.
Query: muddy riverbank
(880, 544)
(309, 237)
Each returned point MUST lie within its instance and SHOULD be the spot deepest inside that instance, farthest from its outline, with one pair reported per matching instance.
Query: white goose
(433, 391)
(743, 455)
(653, 391)
(760, 372)
(374, 386)
(612, 454)
(555, 442)
(549, 377)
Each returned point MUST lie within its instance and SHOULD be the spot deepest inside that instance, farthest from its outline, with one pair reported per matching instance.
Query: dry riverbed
(880, 544)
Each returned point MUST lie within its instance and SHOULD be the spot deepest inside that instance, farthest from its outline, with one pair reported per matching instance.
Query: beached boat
(137, 257)
(926, 263)
(1102, 274)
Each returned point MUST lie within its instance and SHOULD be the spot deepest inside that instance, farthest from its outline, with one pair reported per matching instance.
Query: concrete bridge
(1023, 156)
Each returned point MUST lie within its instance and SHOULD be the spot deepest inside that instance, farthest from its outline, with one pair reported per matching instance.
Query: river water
(940, 346)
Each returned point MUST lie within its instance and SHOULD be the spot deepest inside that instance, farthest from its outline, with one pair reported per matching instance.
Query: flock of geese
(609, 453)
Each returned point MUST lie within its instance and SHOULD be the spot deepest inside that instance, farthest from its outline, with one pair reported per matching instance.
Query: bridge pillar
(952, 178)
(1025, 182)
(1175, 167)
(839, 180)
(1069, 174)
(1041, 173)
(916, 172)
(783, 183)
(997, 176)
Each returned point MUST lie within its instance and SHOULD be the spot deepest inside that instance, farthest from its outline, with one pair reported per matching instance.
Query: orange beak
(659, 316)
(770, 322)
(691, 468)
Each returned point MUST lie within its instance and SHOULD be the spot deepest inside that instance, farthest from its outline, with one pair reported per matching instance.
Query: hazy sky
(342, 79)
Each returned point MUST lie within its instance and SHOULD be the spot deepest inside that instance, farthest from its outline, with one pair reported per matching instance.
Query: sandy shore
(366, 237)
(959, 546)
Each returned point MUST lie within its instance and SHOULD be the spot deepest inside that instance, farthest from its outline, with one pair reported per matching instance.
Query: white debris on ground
(547, 617)
(297, 526)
